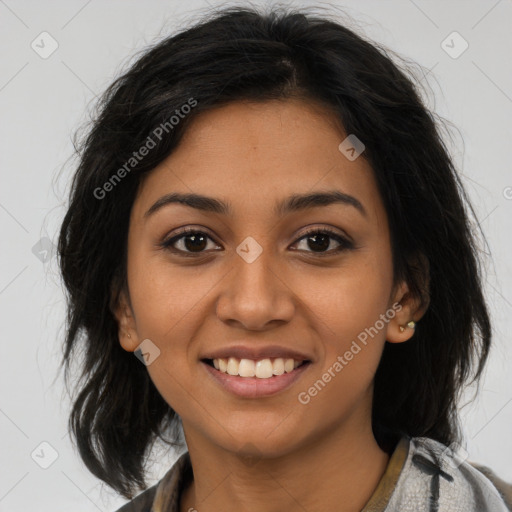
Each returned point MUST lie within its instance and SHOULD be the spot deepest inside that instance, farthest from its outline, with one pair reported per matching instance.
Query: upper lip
(252, 352)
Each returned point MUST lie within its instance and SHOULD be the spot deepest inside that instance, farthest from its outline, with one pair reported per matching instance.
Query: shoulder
(141, 503)
(504, 488)
(434, 474)
(164, 495)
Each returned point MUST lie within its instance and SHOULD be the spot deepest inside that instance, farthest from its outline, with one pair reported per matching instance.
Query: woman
(265, 215)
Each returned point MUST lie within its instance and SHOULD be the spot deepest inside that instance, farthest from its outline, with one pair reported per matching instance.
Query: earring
(411, 325)
(129, 335)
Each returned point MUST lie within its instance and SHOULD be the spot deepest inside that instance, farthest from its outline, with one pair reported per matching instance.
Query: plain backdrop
(45, 98)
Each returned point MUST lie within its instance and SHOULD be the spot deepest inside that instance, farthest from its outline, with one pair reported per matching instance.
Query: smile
(262, 368)
(250, 378)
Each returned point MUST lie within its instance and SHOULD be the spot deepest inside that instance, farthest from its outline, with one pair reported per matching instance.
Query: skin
(319, 456)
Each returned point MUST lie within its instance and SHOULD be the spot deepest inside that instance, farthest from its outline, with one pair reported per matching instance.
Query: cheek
(348, 299)
(353, 337)
(165, 296)
(170, 304)
(348, 308)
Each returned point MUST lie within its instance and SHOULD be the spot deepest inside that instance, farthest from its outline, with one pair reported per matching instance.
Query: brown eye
(188, 241)
(319, 241)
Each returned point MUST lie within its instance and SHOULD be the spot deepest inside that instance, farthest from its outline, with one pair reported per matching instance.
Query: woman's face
(251, 278)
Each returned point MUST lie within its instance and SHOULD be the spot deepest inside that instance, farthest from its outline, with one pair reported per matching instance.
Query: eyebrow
(293, 203)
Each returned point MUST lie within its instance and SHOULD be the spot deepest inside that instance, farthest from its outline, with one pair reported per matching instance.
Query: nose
(254, 295)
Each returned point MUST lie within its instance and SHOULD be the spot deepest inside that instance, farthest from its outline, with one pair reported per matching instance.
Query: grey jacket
(422, 475)
(433, 479)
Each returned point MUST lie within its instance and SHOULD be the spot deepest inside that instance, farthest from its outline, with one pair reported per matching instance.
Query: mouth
(248, 378)
(267, 368)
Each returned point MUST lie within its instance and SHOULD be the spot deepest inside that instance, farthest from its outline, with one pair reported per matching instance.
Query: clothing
(420, 477)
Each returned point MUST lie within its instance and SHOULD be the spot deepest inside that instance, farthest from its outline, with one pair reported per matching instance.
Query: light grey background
(42, 103)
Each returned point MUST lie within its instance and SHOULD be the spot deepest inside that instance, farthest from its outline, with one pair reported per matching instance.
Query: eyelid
(168, 242)
(329, 230)
(345, 242)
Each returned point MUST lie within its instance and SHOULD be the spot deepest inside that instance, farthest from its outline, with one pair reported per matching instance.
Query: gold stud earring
(411, 325)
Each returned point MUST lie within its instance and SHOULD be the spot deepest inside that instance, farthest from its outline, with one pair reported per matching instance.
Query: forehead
(255, 154)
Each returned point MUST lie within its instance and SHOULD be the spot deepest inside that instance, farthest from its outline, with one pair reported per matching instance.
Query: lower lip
(254, 387)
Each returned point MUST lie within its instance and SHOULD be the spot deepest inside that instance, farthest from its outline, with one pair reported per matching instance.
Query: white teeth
(263, 368)
(233, 365)
(246, 368)
(278, 366)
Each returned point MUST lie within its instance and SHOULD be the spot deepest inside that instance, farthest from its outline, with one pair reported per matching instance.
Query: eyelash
(344, 243)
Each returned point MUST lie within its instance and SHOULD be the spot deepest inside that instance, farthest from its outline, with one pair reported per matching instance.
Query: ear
(127, 331)
(412, 307)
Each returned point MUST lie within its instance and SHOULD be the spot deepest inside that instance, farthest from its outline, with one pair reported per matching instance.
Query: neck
(337, 471)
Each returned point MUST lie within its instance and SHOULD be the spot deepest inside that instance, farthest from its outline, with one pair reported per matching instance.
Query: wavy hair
(236, 54)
